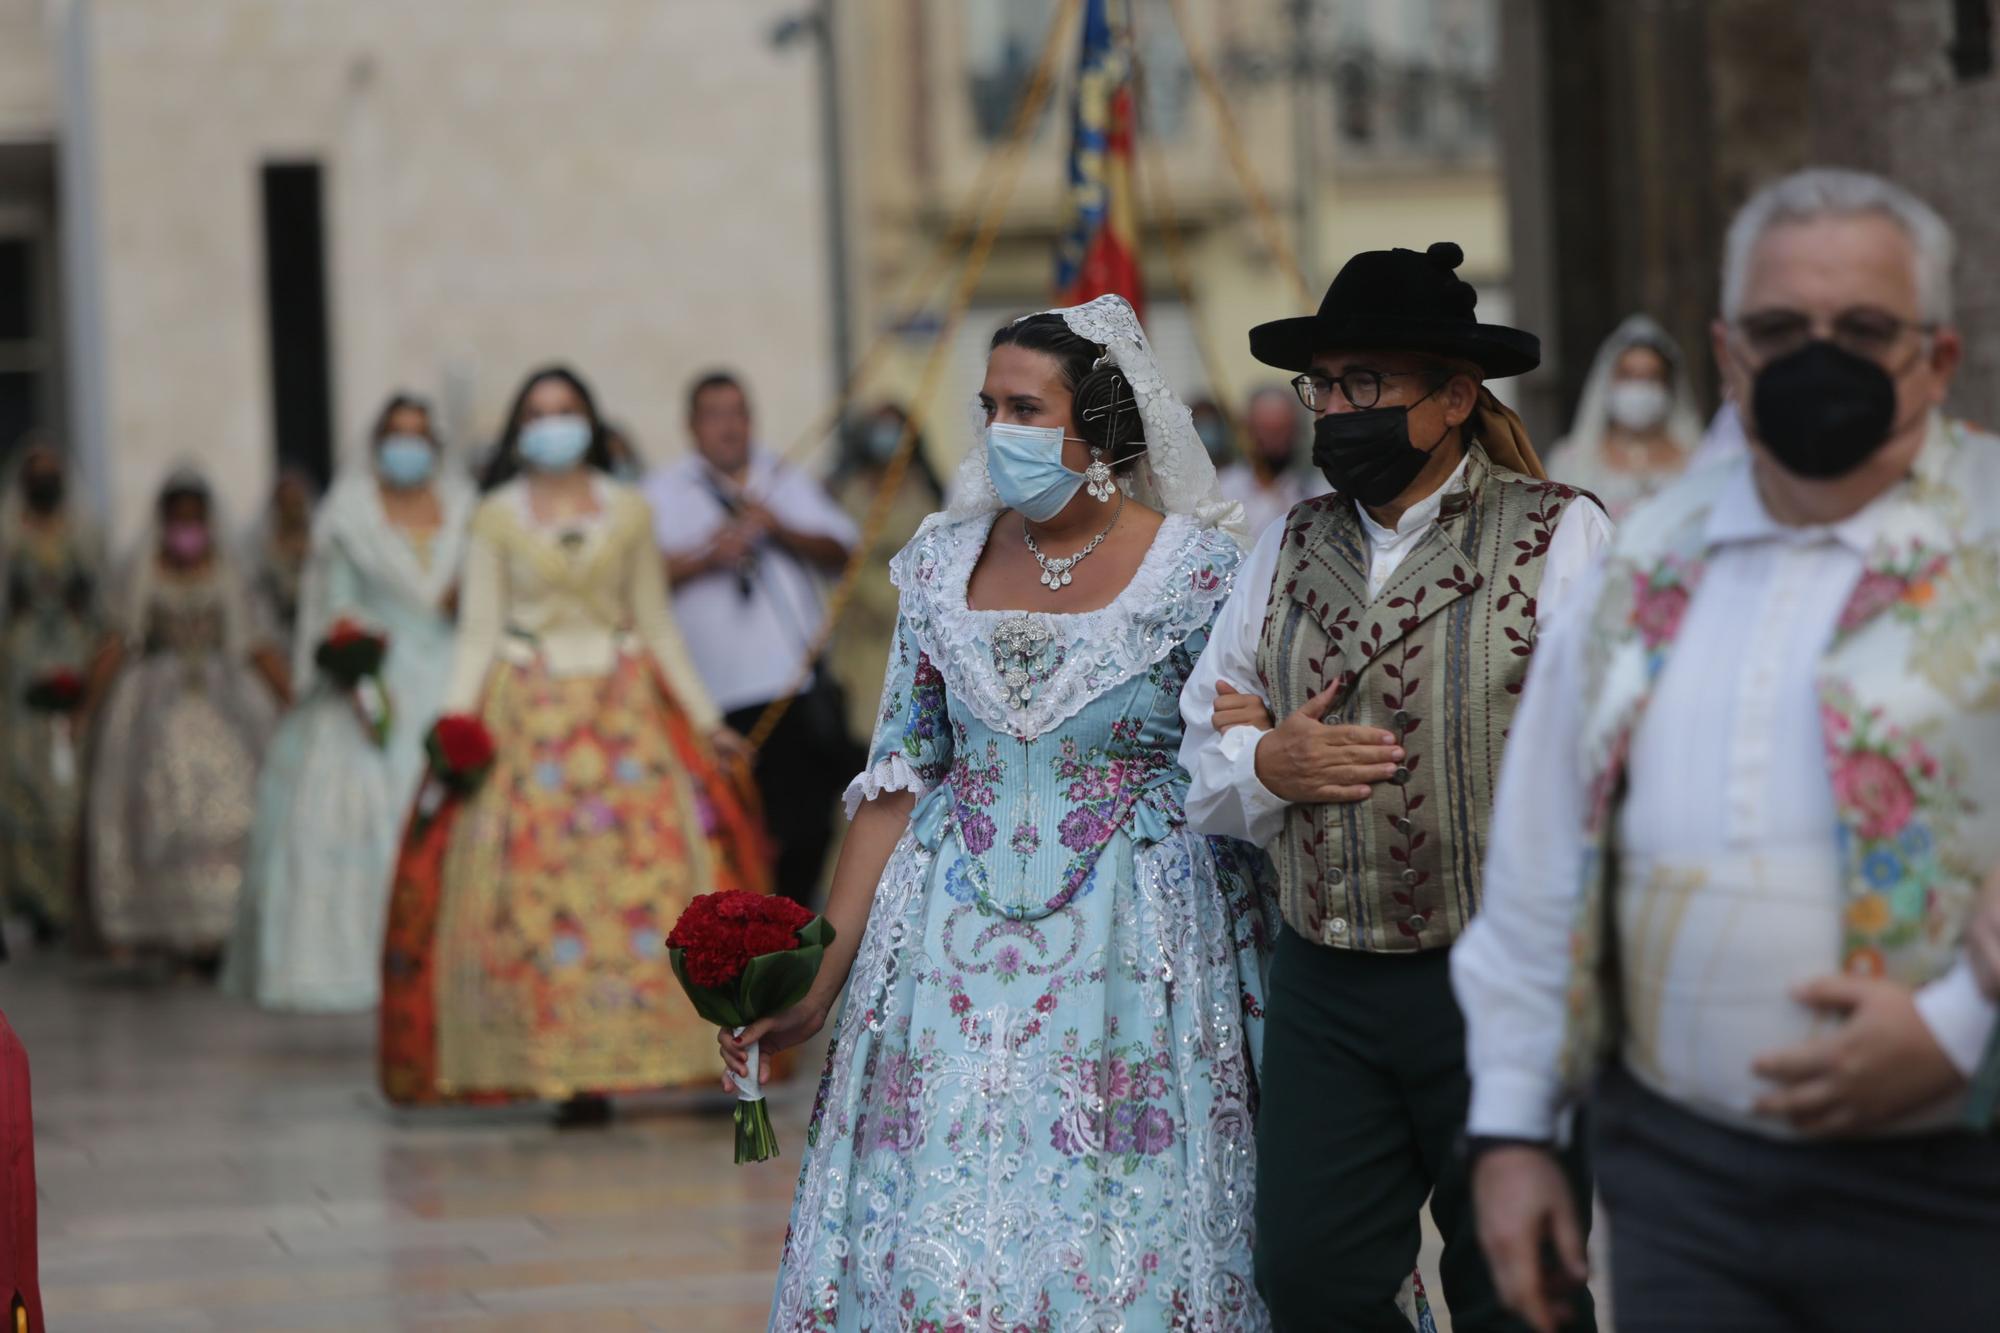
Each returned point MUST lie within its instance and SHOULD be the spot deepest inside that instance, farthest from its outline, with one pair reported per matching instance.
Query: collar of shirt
(1739, 516)
(1417, 517)
(759, 471)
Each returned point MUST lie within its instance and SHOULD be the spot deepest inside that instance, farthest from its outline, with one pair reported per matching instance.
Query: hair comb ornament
(1098, 478)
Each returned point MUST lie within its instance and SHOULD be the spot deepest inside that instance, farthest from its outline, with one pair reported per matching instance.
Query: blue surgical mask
(555, 444)
(1025, 463)
(405, 461)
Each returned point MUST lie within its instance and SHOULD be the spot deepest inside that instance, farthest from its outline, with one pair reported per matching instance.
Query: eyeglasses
(1863, 331)
(1360, 385)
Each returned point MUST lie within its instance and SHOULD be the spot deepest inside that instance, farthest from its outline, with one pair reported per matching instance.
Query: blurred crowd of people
(207, 795)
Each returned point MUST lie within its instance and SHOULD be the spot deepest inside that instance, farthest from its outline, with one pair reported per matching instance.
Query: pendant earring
(1097, 478)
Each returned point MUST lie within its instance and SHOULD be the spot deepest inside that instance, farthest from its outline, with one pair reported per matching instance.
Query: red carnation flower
(764, 937)
(464, 743)
(720, 933)
(781, 911)
(349, 652)
(733, 905)
(346, 631)
(57, 691)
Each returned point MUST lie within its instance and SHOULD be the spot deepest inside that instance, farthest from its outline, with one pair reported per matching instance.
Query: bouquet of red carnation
(58, 696)
(461, 754)
(59, 691)
(743, 956)
(352, 657)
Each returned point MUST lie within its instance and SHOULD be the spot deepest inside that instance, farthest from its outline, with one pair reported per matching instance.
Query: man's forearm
(824, 552)
(686, 568)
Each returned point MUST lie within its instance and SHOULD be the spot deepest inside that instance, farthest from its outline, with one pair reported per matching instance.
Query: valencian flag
(1099, 249)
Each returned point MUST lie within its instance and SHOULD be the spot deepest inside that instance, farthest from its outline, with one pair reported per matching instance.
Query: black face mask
(43, 491)
(1823, 411)
(1367, 455)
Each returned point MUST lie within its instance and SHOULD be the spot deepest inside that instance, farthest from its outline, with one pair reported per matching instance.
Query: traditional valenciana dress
(1037, 1109)
(526, 951)
(53, 620)
(331, 802)
(1580, 459)
(174, 775)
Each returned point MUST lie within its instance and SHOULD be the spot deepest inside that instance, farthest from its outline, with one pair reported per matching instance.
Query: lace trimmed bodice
(1024, 673)
(1038, 740)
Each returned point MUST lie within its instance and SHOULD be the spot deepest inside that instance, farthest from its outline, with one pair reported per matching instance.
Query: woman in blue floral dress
(1037, 1107)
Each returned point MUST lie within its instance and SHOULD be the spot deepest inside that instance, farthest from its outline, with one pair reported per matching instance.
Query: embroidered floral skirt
(173, 792)
(1041, 1124)
(526, 950)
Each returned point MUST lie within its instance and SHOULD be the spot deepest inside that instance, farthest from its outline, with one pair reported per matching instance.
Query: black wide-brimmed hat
(1399, 301)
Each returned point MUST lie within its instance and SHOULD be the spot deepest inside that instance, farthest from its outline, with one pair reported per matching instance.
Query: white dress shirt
(1225, 797)
(749, 635)
(1728, 842)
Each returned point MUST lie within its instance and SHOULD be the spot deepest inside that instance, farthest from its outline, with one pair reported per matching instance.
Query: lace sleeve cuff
(889, 773)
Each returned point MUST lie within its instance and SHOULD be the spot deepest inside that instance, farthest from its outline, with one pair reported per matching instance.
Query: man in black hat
(1389, 625)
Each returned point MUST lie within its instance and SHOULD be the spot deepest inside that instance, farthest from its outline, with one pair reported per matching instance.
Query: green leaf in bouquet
(774, 982)
(718, 1005)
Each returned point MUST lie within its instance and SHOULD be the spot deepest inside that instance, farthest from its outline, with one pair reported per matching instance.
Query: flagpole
(1304, 159)
(817, 25)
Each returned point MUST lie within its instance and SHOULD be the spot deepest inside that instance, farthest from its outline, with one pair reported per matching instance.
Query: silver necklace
(1056, 571)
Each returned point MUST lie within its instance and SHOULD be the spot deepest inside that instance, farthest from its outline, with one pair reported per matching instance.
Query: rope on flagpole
(981, 249)
(951, 244)
(1239, 157)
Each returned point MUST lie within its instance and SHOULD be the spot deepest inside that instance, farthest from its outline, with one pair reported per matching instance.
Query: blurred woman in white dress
(1636, 427)
(385, 555)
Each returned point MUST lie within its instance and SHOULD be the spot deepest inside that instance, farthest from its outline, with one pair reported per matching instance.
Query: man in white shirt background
(1389, 625)
(749, 541)
(1742, 817)
(1268, 481)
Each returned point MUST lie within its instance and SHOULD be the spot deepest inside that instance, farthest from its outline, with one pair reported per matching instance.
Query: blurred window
(1413, 82)
(1004, 39)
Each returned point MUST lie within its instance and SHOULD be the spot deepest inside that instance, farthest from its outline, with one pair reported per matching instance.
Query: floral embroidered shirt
(1728, 776)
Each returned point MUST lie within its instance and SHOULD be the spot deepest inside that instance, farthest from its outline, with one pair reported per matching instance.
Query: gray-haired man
(1741, 824)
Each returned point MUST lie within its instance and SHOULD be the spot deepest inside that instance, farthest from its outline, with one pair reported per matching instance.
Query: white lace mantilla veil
(1175, 476)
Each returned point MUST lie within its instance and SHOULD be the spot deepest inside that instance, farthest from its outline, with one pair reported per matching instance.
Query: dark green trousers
(1364, 1099)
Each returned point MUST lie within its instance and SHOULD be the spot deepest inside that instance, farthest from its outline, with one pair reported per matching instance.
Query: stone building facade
(631, 186)
(1632, 132)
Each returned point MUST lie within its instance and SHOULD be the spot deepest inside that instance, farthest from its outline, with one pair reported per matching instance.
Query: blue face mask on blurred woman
(555, 444)
(405, 461)
(1026, 467)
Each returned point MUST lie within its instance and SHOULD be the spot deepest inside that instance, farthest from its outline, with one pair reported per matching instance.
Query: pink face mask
(186, 542)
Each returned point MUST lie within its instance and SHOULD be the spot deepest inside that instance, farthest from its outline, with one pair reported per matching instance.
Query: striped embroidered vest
(1438, 659)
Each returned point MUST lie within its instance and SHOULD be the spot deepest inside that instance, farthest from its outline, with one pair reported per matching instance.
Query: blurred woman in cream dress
(526, 951)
